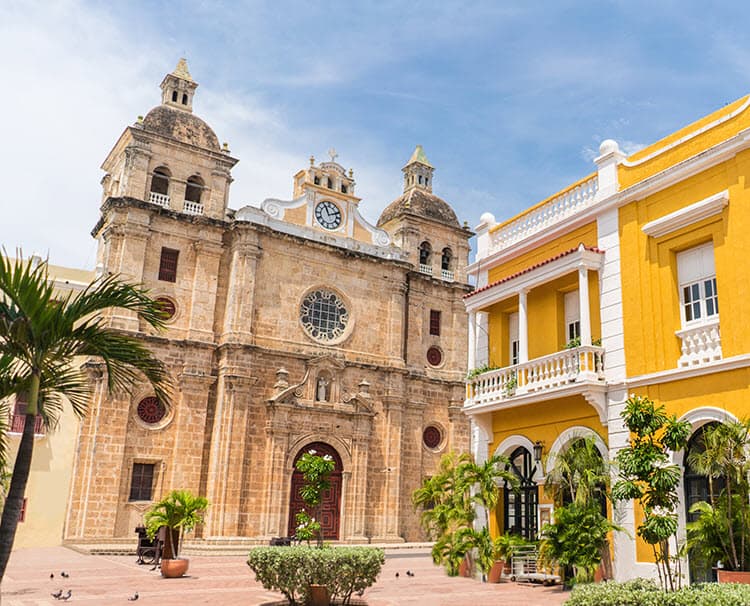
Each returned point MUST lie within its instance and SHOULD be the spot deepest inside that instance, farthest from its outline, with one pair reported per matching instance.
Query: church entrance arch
(330, 509)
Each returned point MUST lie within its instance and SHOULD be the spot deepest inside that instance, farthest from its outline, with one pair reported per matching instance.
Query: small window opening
(316, 180)
(426, 181)
(435, 322)
(174, 96)
(420, 179)
(160, 181)
(424, 253)
(168, 264)
(184, 99)
(330, 184)
(194, 189)
(343, 189)
(141, 482)
(446, 259)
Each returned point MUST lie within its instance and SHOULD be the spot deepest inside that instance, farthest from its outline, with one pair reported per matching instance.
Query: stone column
(238, 312)
(357, 501)
(523, 328)
(472, 340)
(207, 256)
(391, 498)
(583, 305)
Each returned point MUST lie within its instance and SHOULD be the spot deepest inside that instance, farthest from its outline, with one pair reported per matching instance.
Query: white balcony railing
(584, 363)
(160, 199)
(192, 208)
(447, 275)
(425, 269)
(568, 203)
(700, 344)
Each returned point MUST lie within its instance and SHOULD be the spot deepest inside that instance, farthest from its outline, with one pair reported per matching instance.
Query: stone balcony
(160, 199)
(192, 208)
(579, 370)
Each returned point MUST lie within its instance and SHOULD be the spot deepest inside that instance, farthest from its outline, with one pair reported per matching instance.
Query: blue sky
(509, 99)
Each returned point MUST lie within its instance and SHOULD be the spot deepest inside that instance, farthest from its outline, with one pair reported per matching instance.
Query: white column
(472, 362)
(583, 305)
(523, 329)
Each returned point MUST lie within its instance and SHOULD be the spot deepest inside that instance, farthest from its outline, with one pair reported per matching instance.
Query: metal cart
(523, 568)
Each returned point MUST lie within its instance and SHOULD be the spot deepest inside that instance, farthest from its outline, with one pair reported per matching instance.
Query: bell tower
(178, 88)
(418, 172)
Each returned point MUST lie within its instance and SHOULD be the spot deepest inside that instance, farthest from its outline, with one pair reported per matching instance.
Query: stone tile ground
(227, 581)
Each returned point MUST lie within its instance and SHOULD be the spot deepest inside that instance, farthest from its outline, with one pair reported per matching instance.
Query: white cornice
(688, 215)
(546, 272)
(678, 374)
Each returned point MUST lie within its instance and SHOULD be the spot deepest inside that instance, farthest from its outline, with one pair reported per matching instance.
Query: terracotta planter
(733, 576)
(173, 569)
(496, 572)
(464, 570)
(318, 596)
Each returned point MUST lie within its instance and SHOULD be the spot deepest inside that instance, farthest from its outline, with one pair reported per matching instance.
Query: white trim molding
(509, 444)
(677, 374)
(688, 215)
(570, 435)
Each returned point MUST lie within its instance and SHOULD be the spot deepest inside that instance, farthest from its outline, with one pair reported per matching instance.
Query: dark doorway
(331, 502)
(520, 508)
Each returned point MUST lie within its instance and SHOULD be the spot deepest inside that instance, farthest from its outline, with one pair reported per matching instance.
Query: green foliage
(576, 342)
(448, 501)
(576, 538)
(646, 474)
(291, 570)
(722, 530)
(641, 592)
(475, 372)
(316, 470)
(506, 544)
(180, 510)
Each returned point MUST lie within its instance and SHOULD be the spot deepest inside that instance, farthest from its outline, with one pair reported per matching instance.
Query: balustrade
(160, 199)
(192, 208)
(700, 345)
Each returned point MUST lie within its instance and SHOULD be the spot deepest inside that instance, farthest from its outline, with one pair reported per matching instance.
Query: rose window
(323, 315)
(432, 437)
(151, 410)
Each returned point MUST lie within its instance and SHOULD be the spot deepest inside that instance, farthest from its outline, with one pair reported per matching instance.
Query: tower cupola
(418, 172)
(178, 88)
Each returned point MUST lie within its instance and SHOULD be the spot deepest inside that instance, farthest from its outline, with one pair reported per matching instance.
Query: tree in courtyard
(647, 476)
(316, 471)
(449, 500)
(43, 338)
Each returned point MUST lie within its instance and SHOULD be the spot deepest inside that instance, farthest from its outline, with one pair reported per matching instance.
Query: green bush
(642, 592)
(291, 570)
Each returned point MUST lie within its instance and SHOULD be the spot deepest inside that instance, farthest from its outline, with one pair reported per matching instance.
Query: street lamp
(538, 450)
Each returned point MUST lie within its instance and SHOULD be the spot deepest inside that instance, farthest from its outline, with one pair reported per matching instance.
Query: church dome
(182, 126)
(421, 203)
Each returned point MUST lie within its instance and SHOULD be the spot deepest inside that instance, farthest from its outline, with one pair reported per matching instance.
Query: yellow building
(45, 504)
(613, 287)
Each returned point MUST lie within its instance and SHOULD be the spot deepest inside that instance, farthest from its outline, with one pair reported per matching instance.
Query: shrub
(291, 570)
(642, 592)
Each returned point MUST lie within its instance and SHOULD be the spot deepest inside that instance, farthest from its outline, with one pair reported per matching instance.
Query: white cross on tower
(333, 154)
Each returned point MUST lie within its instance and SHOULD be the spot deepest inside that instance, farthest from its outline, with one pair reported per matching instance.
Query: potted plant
(721, 531)
(502, 552)
(178, 513)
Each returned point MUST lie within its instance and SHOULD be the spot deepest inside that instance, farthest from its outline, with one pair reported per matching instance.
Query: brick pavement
(227, 581)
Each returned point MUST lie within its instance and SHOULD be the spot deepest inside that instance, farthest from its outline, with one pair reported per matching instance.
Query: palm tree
(180, 511)
(42, 334)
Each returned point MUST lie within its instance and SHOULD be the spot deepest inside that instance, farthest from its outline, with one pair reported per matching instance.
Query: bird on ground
(57, 594)
(396, 575)
(66, 597)
(52, 575)
(409, 573)
(134, 598)
(64, 575)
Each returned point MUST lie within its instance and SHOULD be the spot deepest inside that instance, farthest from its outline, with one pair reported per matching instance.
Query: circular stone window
(432, 436)
(323, 315)
(151, 411)
(434, 356)
(167, 307)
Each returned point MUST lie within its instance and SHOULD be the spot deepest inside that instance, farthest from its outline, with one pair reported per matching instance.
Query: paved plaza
(227, 581)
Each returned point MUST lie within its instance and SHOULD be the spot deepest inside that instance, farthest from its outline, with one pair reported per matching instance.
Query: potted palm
(502, 552)
(177, 513)
(721, 531)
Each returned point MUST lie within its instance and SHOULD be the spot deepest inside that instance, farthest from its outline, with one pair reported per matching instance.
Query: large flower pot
(464, 569)
(318, 596)
(733, 576)
(496, 572)
(173, 569)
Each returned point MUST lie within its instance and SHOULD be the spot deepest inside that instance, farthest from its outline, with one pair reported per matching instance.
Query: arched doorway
(520, 507)
(697, 489)
(331, 502)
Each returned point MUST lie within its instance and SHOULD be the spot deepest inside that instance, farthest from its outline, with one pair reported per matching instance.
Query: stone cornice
(687, 215)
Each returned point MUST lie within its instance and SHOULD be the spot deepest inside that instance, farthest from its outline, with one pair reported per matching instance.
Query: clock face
(328, 215)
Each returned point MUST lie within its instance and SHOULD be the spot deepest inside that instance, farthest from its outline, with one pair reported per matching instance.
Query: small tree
(180, 511)
(448, 501)
(646, 475)
(316, 471)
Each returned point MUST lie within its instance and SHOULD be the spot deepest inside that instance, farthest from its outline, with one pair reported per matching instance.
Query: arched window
(330, 184)
(316, 180)
(425, 250)
(446, 259)
(343, 189)
(194, 189)
(520, 507)
(420, 179)
(160, 181)
(184, 98)
(174, 96)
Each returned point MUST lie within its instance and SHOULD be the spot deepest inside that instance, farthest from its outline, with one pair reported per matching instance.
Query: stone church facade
(296, 325)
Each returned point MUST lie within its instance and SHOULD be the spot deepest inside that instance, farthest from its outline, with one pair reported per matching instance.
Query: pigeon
(134, 598)
(64, 574)
(396, 575)
(409, 573)
(57, 594)
(66, 597)
(52, 575)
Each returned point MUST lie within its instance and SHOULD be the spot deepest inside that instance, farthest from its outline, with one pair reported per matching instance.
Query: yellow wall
(649, 271)
(49, 484)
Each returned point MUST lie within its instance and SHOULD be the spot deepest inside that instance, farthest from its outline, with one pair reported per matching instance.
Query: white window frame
(572, 316)
(514, 342)
(696, 271)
